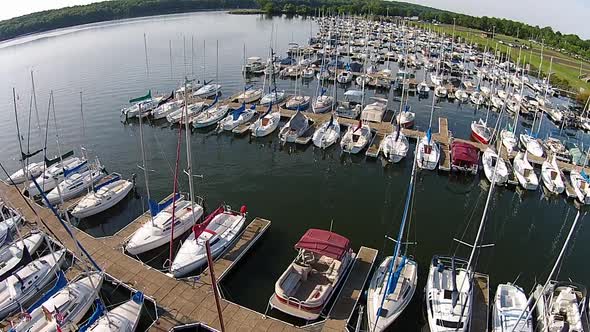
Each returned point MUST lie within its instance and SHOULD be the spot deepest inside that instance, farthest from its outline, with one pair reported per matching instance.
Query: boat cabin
(464, 157)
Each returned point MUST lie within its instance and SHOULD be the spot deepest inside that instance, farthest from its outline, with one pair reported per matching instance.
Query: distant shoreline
(246, 11)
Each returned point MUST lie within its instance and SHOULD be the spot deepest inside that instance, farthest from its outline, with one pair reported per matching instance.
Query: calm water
(295, 187)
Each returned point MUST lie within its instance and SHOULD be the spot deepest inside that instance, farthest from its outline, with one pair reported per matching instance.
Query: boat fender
(243, 210)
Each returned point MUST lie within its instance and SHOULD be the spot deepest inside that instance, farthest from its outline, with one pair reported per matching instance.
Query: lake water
(295, 187)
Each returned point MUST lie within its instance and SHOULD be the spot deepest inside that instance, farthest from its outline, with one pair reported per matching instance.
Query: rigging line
(173, 222)
(161, 150)
(468, 222)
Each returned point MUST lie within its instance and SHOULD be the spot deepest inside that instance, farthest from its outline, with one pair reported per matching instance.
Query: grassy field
(564, 66)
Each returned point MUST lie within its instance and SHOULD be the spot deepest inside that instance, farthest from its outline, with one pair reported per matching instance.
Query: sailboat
(299, 101)
(220, 228)
(33, 170)
(405, 118)
(551, 176)
(493, 172)
(266, 124)
(209, 89)
(524, 172)
(395, 145)
(356, 138)
(25, 283)
(237, 117)
(327, 133)
(393, 284)
(103, 197)
(18, 254)
(428, 150)
(75, 184)
(294, 128)
(122, 318)
(581, 183)
(157, 230)
(71, 303)
(211, 115)
(510, 301)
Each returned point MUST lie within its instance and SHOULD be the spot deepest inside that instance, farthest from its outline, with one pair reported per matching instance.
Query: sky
(567, 16)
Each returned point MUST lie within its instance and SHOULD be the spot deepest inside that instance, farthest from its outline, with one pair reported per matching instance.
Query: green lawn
(564, 66)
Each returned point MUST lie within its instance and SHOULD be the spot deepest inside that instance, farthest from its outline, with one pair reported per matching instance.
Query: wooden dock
(349, 294)
(481, 303)
(375, 145)
(179, 301)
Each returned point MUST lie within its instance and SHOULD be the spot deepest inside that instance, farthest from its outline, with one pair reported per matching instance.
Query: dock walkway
(347, 299)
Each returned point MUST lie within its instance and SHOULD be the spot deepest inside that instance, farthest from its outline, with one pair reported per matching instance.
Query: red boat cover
(324, 243)
(464, 153)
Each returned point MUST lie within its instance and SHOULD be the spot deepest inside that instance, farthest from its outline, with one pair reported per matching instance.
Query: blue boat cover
(236, 113)
(60, 283)
(155, 208)
(95, 316)
(138, 297)
(70, 171)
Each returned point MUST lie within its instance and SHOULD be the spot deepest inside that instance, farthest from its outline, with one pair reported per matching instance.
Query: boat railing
(294, 300)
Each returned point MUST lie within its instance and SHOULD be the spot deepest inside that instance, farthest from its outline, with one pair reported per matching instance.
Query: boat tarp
(155, 208)
(57, 159)
(353, 93)
(464, 153)
(60, 283)
(324, 242)
(236, 113)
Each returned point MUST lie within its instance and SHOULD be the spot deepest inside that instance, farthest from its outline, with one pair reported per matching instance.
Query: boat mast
(20, 143)
(35, 100)
(143, 160)
(550, 276)
(398, 243)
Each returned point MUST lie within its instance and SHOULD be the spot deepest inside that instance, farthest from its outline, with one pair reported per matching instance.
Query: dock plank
(375, 146)
(481, 303)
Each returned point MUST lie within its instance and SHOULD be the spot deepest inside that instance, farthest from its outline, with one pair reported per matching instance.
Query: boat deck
(307, 135)
(179, 301)
(481, 303)
(351, 290)
(244, 127)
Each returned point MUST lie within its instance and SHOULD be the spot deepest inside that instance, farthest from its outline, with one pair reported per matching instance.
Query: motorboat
(250, 95)
(189, 85)
(394, 146)
(524, 172)
(33, 170)
(75, 184)
(308, 73)
(448, 295)
(327, 133)
(481, 132)
(105, 195)
(210, 116)
(322, 263)
(531, 145)
(237, 117)
(423, 88)
(164, 110)
(464, 157)
(351, 107)
(428, 153)
(555, 147)
(551, 176)
(55, 174)
(581, 183)
(191, 112)
(356, 138)
(375, 111)
(510, 303)
(221, 228)
(477, 98)
(323, 104)
(266, 123)
(22, 286)
(122, 318)
(71, 303)
(254, 65)
(509, 140)
(207, 91)
(156, 231)
(274, 97)
(560, 307)
(298, 103)
(494, 167)
(294, 128)
(435, 79)
(497, 102)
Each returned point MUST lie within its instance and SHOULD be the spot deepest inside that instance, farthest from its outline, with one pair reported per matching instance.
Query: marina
(311, 161)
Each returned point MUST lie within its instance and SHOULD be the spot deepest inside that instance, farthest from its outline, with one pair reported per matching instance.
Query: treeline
(571, 43)
(120, 9)
(107, 11)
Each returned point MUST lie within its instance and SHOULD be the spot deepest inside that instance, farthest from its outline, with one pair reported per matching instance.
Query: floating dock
(375, 145)
(347, 299)
(481, 303)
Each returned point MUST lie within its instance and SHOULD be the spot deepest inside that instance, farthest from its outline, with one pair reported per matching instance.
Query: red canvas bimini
(322, 263)
(464, 157)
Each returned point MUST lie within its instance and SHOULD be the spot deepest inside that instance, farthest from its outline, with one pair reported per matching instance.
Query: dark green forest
(120, 9)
